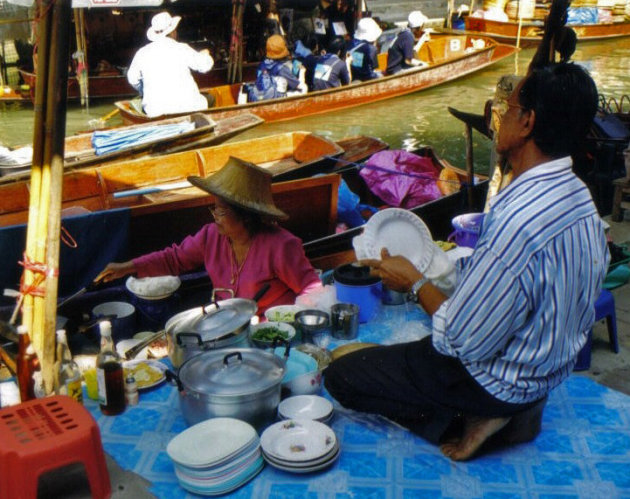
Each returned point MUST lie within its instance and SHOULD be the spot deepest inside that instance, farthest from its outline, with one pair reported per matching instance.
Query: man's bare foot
(476, 432)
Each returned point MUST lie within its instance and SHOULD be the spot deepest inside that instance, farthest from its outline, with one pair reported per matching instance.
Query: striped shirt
(525, 298)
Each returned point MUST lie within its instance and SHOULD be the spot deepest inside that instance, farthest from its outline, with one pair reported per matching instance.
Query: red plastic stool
(43, 434)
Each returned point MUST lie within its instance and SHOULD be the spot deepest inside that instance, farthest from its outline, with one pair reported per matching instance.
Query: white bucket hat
(161, 25)
(368, 30)
(416, 19)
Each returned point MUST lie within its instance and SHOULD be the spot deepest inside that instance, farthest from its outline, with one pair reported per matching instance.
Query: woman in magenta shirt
(244, 248)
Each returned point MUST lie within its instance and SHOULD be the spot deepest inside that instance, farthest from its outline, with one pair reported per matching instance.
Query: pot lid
(239, 371)
(215, 320)
(354, 274)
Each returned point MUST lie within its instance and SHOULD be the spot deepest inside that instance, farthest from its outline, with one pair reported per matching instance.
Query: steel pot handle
(226, 359)
(172, 377)
(179, 336)
(287, 344)
(213, 298)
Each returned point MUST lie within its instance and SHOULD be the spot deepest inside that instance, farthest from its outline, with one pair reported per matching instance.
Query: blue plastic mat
(583, 450)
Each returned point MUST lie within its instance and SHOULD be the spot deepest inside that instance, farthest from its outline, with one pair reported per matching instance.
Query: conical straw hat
(243, 184)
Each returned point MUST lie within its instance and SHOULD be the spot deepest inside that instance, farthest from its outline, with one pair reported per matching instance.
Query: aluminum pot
(241, 383)
(222, 324)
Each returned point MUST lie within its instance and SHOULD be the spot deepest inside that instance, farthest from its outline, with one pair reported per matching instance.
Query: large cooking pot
(241, 383)
(222, 324)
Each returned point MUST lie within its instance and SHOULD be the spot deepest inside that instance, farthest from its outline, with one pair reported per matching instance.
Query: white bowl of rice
(153, 288)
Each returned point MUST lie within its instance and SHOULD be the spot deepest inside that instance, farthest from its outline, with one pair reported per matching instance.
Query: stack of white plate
(306, 407)
(216, 456)
(299, 445)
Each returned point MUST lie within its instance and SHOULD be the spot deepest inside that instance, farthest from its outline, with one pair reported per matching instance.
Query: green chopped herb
(269, 334)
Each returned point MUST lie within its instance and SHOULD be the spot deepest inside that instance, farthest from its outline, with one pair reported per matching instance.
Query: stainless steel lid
(215, 320)
(233, 372)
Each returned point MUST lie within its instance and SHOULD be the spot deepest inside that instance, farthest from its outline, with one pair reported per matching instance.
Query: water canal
(404, 122)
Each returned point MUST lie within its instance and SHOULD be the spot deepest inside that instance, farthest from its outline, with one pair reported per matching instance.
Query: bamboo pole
(44, 28)
(45, 311)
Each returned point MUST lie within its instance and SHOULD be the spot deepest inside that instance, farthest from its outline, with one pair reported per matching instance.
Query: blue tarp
(582, 15)
(105, 141)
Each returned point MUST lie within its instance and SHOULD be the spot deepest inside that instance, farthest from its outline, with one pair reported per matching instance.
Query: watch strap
(413, 293)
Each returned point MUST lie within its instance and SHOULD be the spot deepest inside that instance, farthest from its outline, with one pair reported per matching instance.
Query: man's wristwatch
(413, 293)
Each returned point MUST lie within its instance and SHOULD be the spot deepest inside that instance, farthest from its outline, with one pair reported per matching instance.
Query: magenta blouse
(274, 257)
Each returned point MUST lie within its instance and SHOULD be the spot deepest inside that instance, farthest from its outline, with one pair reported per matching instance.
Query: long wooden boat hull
(147, 181)
(531, 33)
(79, 151)
(111, 86)
(447, 57)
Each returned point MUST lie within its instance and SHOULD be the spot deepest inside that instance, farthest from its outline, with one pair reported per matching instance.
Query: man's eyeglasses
(218, 212)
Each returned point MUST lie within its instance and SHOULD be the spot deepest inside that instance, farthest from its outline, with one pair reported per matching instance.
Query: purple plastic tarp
(401, 178)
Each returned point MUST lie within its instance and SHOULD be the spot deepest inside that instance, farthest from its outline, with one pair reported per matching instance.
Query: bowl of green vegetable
(263, 334)
(282, 313)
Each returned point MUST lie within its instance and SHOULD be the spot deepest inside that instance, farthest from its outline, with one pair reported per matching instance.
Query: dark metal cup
(345, 321)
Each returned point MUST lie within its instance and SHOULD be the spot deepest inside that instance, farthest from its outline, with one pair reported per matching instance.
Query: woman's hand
(116, 271)
(396, 272)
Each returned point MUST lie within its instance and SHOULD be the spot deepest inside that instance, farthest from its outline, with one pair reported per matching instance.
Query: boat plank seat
(224, 95)
(440, 49)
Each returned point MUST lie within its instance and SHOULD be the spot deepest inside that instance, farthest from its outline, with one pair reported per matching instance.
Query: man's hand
(396, 272)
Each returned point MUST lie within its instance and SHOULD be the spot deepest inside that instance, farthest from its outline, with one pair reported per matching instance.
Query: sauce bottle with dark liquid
(109, 374)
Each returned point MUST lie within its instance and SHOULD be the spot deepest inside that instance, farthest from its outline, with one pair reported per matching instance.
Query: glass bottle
(109, 374)
(24, 365)
(68, 375)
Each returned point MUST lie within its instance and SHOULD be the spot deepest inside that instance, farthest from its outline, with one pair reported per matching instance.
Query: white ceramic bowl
(282, 313)
(282, 326)
(153, 288)
(306, 407)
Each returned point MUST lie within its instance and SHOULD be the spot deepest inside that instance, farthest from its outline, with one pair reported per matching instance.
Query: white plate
(303, 469)
(402, 233)
(153, 288)
(298, 440)
(305, 407)
(210, 442)
(155, 365)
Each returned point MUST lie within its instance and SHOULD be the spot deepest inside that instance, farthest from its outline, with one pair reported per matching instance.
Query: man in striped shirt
(524, 301)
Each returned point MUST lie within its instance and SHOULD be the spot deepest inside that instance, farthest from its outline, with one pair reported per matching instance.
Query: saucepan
(221, 324)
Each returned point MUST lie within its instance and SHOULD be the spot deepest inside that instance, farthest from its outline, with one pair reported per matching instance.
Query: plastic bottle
(25, 361)
(131, 390)
(67, 375)
(109, 374)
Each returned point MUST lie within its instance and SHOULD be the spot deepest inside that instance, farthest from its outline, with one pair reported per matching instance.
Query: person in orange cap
(278, 74)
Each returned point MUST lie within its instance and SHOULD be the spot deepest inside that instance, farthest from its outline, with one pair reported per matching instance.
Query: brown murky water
(404, 122)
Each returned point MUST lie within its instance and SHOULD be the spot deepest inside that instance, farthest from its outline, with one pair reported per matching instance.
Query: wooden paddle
(97, 123)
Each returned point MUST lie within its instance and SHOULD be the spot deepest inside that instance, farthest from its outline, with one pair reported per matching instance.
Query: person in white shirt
(160, 71)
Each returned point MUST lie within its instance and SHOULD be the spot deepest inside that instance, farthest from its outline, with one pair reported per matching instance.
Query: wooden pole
(470, 169)
(46, 307)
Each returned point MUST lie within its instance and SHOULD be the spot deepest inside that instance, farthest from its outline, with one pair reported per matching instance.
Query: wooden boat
(139, 182)
(336, 249)
(80, 152)
(531, 32)
(448, 57)
(115, 85)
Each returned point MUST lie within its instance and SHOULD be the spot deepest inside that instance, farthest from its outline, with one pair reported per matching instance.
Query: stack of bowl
(310, 407)
(216, 456)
